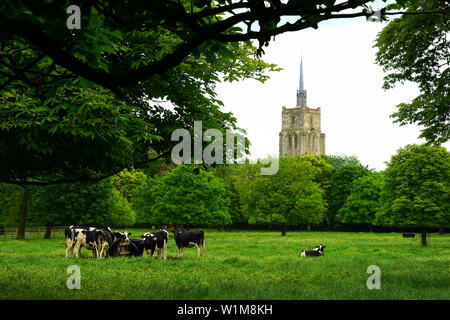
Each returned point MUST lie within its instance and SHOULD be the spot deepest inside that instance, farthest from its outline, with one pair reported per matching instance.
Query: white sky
(341, 77)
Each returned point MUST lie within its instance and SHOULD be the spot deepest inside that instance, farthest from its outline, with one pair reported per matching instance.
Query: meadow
(238, 265)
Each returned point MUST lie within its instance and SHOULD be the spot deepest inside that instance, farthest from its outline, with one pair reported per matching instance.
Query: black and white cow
(156, 241)
(316, 252)
(93, 239)
(114, 241)
(189, 239)
(89, 239)
(136, 247)
(72, 233)
(109, 239)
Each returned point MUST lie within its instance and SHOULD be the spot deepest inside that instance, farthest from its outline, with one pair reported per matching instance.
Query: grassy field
(237, 265)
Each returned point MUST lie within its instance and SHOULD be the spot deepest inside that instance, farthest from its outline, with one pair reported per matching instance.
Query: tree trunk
(219, 228)
(308, 226)
(371, 228)
(424, 237)
(48, 232)
(441, 230)
(283, 230)
(23, 214)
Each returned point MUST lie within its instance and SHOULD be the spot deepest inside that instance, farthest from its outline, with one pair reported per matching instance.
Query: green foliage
(363, 202)
(416, 189)
(182, 197)
(127, 181)
(67, 132)
(236, 178)
(56, 125)
(289, 197)
(345, 171)
(90, 204)
(416, 48)
(10, 198)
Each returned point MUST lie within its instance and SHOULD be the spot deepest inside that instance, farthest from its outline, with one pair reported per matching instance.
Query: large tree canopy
(148, 38)
(416, 48)
(59, 127)
(82, 104)
(416, 189)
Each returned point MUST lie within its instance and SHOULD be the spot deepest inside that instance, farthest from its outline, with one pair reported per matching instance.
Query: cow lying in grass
(316, 252)
(189, 239)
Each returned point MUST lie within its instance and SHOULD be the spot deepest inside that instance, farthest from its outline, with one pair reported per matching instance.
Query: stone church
(300, 128)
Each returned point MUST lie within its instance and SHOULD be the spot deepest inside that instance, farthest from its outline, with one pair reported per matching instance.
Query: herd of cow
(106, 243)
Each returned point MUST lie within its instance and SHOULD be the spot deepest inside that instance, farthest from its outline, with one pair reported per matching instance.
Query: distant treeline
(309, 192)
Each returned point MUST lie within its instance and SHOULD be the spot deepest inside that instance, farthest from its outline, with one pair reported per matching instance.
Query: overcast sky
(341, 77)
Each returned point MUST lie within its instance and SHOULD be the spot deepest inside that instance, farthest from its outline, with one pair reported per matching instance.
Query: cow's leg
(178, 251)
(203, 247)
(165, 249)
(147, 253)
(181, 251)
(102, 248)
(77, 250)
(69, 244)
(158, 252)
(198, 250)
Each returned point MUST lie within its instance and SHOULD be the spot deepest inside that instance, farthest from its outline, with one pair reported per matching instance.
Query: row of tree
(412, 192)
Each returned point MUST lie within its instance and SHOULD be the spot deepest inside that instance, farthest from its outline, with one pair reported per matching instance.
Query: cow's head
(321, 247)
(121, 236)
(148, 238)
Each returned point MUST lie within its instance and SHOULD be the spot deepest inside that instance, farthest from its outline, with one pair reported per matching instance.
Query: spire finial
(301, 92)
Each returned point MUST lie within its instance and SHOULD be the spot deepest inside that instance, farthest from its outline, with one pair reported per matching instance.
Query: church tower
(300, 127)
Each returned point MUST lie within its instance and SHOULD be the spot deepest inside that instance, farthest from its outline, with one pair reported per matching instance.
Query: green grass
(237, 265)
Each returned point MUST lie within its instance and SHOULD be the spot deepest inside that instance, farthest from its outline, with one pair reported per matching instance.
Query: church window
(295, 141)
(290, 141)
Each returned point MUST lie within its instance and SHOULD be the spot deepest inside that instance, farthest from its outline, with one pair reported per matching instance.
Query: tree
(57, 128)
(10, 198)
(182, 197)
(173, 30)
(345, 171)
(289, 197)
(416, 189)
(127, 181)
(87, 204)
(134, 58)
(363, 202)
(416, 48)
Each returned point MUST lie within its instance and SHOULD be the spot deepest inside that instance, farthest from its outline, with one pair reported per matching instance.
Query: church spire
(301, 75)
(301, 92)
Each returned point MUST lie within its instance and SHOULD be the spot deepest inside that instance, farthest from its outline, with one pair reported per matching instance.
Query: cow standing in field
(136, 247)
(116, 242)
(189, 239)
(109, 241)
(92, 239)
(72, 233)
(156, 241)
